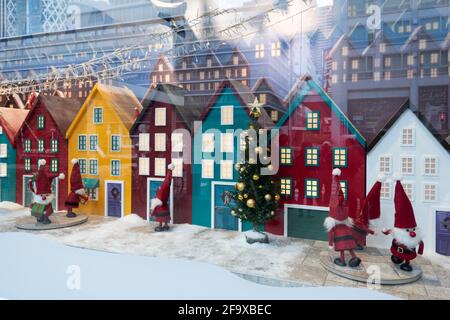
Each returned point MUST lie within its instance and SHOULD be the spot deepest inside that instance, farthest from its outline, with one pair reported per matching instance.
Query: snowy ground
(36, 268)
(284, 259)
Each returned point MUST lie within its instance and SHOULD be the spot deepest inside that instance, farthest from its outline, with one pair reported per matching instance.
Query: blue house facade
(215, 154)
(10, 122)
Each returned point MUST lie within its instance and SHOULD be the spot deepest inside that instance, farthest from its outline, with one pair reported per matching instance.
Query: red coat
(360, 233)
(341, 236)
(403, 252)
(73, 200)
(162, 213)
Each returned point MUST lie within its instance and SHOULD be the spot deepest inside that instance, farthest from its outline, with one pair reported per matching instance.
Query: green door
(306, 224)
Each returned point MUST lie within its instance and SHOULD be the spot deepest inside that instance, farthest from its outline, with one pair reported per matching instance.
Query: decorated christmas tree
(255, 196)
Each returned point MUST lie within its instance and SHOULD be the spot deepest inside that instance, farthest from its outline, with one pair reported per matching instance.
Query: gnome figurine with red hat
(77, 192)
(41, 187)
(405, 232)
(159, 205)
(338, 225)
(370, 211)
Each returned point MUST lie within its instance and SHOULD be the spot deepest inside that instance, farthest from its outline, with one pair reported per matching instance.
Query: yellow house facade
(99, 138)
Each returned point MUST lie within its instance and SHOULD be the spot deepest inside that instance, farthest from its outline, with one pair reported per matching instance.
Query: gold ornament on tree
(251, 203)
(277, 197)
(245, 196)
(255, 177)
(240, 186)
(240, 197)
(268, 197)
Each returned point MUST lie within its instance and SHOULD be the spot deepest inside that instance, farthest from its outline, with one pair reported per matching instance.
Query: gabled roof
(260, 86)
(174, 95)
(303, 93)
(121, 100)
(419, 116)
(14, 99)
(11, 121)
(245, 97)
(62, 110)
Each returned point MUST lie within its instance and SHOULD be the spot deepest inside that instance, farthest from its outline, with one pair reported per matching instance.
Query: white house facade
(409, 149)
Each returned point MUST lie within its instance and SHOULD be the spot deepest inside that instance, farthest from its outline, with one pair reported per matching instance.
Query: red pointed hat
(371, 207)
(43, 182)
(404, 213)
(164, 190)
(76, 182)
(338, 211)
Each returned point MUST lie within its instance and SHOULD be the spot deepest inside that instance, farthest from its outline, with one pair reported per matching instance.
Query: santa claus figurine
(405, 232)
(77, 192)
(42, 208)
(370, 211)
(159, 205)
(340, 235)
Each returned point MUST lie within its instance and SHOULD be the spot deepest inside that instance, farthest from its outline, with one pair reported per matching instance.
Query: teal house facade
(10, 122)
(215, 153)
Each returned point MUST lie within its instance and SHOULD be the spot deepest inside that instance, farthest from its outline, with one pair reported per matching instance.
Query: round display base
(390, 274)
(58, 219)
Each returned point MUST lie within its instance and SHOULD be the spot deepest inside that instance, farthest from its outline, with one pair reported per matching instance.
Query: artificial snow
(35, 268)
(254, 235)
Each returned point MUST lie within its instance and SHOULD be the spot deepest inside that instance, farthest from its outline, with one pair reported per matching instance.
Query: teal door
(222, 213)
(306, 224)
(28, 195)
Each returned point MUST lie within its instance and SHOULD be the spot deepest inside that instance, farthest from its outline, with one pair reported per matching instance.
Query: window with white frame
(160, 167)
(208, 142)
(83, 166)
(409, 190)
(116, 142)
(226, 169)
(259, 51)
(115, 168)
(82, 142)
(3, 150)
(408, 136)
(311, 188)
(384, 164)
(3, 170)
(93, 166)
(407, 165)
(93, 142)
(430, 192)
(208, 169)
(54, 146)
(144, 141)
(160, 142)
(385, 192)
(226, 118)
(54, 165)
(178, 170)
(430, 166)
(27, 145)
(144, 166)
(160, 117)
(226, 142)
(92, 194)
(40, 146)
(286, 186)
(276, 49)
(27, 164)
(274, 115)
(177, 142)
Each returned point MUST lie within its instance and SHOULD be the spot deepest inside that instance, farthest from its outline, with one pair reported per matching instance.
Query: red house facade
(42, 136)
(314, 138)
(160, 136)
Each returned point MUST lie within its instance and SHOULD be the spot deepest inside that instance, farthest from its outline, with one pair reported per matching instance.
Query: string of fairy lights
(119, 62)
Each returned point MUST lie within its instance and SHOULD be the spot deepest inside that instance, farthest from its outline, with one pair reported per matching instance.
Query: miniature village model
(297, 170)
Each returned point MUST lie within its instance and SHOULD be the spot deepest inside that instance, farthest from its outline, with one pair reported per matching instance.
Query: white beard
(37, 198)
(403, 237)
(155, 202)
(330, 223)
(80, 192)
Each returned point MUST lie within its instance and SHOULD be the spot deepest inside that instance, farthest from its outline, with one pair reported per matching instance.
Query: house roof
(11, 121)
(176, 96)
(14, 99)
(121, 100)
(245, 96)
(441, 139)
(262, 85)
(62, 110)
(309, 85)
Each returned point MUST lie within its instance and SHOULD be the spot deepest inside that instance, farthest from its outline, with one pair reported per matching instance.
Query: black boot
(339, 262)
(359, 247)
(396, 260)
(40, 219)
(166, 227)
(159, 229)
(71, 215)
(46, 220)
(406, 267)
(354, 262)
